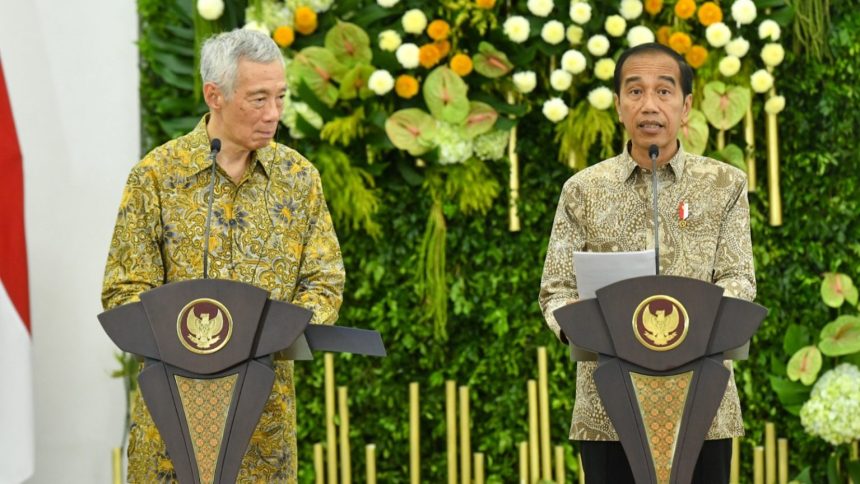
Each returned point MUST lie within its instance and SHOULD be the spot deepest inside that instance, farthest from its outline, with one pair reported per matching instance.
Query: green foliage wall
(495, 324)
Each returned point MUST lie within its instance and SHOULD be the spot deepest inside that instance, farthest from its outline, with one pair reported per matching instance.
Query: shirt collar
(197, 142)
(628, 164)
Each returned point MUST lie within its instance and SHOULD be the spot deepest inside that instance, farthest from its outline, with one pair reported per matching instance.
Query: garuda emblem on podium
(204, 326)
(660, 323)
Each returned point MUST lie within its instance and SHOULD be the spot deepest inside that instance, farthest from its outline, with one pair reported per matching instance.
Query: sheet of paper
(595, 270)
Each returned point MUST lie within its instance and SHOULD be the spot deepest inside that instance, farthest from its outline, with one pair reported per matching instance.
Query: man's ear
(688, 105)
(213, 96)
(617, 105)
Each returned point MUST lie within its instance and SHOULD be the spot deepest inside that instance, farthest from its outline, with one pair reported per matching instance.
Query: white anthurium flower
(573, 61)
(257, 26)
(774, 104)
(718, 34)
(761, 81)
(631, 9)
(729, 65)
(580, 12)
(408, 55)
(604, 69)
(598, 45)
(601, 98)
(772, 54)
(414, 21)
(768, 29)
(555, 109)
(574, 34)
(639, 35)
(387, 3)
(615, 25)
(516, 28)
(525, 81)
(560, 80)
(743, 11)
(552, 32)
(540, 8)
(380, 82)
(738, 47)
(389, 40)
(210, 9)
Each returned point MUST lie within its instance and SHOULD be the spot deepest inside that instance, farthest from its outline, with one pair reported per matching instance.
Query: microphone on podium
(214, 148)
(653, 153)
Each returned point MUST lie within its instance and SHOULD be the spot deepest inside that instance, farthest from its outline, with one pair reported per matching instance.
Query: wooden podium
(208, 349)
(660, 342)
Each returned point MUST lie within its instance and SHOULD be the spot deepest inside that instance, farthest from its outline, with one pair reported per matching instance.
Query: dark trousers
(605, 462)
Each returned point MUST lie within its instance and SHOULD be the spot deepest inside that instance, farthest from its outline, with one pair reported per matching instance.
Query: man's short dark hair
(654, 47)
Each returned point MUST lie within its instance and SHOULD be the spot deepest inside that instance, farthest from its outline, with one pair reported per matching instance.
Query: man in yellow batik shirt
(270, 228)
(704, 234)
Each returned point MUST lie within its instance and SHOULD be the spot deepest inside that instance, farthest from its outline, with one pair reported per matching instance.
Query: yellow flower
(444, 47)
(685, 9)
(461, 64)
(680, 42)
(710, 13)
(306, 20)
(696, 56)
(438, 29)
(284, 36)
(428, 55)
(653, 7)
(406, 86)
(663, 34)
(485, 4)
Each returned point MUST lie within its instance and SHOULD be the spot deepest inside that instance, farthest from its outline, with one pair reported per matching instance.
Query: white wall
(71, 71)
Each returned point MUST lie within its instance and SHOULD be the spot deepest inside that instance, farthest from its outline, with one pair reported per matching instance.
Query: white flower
(769, 29)
(257, 26)
(387, 3)
(833, 409)
(615, 25)
(631, 9)
(600, 98)
(729, 65)
(598, 45)
(774, 104)
(743, 11)
(574, 34)
(738, 47)
(580, 12)
(517, 28)
(541, 8)
(718, 34)
(389, 40)
(555, 109)
(552, 32)
(525, 81)
(761, 81)
(604, 69)
(210, 9)
(772, 54)
(638, 35)
(407, 55)
(573, 61)
(380, 82)
(560, 80)
(453, 147)
(414, 21)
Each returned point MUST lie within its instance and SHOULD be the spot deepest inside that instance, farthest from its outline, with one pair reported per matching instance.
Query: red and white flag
(17, 448)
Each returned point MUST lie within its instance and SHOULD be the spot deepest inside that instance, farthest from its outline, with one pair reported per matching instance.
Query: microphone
(214, 148)
(653, 153)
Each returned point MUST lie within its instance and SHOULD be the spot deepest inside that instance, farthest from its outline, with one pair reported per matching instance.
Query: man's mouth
(650, 126)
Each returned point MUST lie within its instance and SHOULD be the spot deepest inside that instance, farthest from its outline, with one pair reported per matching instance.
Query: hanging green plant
(581, 129)
(350, 190)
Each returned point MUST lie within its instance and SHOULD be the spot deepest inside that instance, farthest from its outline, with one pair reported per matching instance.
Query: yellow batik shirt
(608, 208)
(272, 230)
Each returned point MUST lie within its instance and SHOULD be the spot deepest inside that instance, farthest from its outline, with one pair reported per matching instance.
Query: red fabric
(13, 248)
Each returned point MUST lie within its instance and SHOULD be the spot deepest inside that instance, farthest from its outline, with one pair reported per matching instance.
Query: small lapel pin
(683, 213)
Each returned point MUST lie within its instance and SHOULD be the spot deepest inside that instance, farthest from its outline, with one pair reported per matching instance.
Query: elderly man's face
(251, 115)
(651, 104)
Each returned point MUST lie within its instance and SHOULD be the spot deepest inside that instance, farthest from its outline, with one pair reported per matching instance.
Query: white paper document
(595, 270)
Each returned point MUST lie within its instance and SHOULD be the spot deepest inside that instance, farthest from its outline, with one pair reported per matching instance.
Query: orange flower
(685, 9)
(306, 20)
(406, 86)
(680, 42)
(696, 56)
(428, 55)
(710, 13)
(653, 6)
(485, 4)
(444, 47)
(461, 64)
(663, 34)
(284, 36)
(438, 29)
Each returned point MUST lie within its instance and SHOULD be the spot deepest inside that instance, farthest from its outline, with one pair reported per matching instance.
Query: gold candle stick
(782, 446)
(721, 139)
(370, 458)
(581, 469)
(479, 468)
(116, 461)
(514, 185)
(769, 453)
(543, 401)
(855, 450)
(572, 160)
(559, 465)
(451, 427)
(330, 431)
(345, 457)
(319, 464)
(758, 465)
(534, 460)
(465, 442)
(414, 436)
(749, 140)
(774, 196)
(735, 472)
(524, 462)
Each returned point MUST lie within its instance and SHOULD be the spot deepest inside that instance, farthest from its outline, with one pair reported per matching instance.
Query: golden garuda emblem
(204, 326)
(660, 323)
